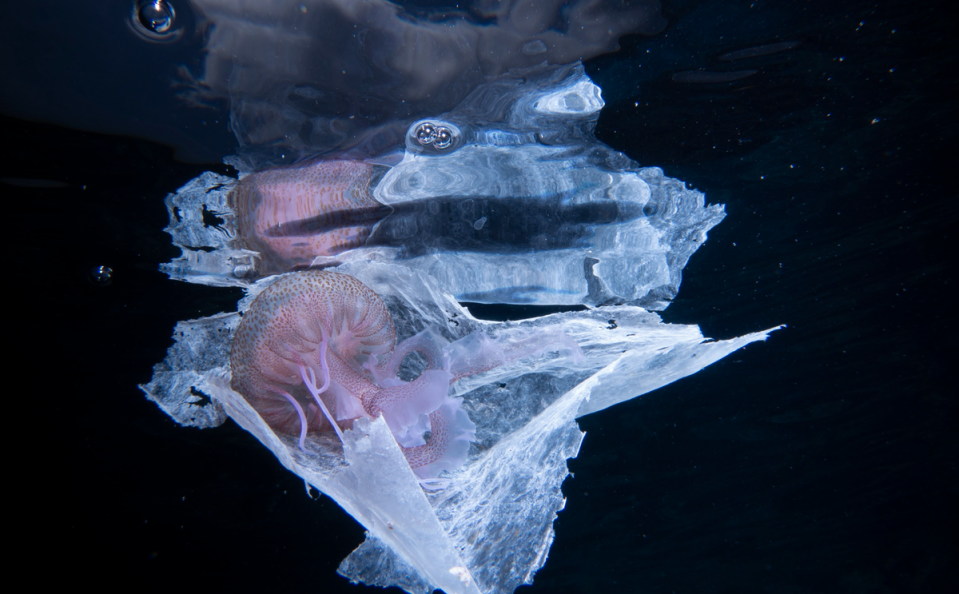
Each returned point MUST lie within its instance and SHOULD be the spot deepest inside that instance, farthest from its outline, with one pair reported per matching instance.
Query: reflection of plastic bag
(522, 205)
(490, 528)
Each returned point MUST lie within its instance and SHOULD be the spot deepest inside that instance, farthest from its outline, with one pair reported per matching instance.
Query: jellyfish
(301, 349)
(315, 351)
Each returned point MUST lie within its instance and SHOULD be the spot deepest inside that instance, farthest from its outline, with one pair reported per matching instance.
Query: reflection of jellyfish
(520, 204)
(290, 215)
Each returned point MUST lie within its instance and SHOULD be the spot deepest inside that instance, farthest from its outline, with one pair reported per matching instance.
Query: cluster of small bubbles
(154, 20)
(429, 134)
(101, 275)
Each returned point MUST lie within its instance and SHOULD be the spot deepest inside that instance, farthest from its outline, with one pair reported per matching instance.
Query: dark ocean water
(824, 460)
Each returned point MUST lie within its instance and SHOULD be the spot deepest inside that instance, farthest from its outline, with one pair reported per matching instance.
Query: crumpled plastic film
(489, 527)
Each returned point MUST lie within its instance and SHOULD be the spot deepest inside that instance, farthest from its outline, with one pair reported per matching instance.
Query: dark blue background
(824, 460)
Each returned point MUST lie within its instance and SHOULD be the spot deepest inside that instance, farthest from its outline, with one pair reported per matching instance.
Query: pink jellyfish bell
(315, 351)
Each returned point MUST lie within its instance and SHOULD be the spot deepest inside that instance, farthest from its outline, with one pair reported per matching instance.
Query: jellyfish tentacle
(310, 383)
(323, 366)
(299, 413)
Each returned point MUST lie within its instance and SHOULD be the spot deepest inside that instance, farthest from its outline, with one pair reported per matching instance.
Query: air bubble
(154, 20)
(157, 16)
(425, 134)
(429, 134)
(444, 138)
(101, 275)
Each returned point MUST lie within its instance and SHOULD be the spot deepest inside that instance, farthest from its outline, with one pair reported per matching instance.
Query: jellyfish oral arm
(427, 343)
(451, 432)
(403, 404)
